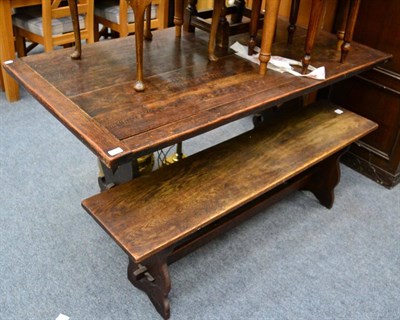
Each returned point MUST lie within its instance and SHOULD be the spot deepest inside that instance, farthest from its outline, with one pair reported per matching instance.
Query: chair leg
(343, 12)
(238, 15)
(190, 10)
(350, 24)
(139, 7)
(96, 31)
(20, 45)
(294, 12)
(147, 34)
(73, 7)
(269, 26)
(255, 16)
(218, 6)
(178, 17)
(313, 24)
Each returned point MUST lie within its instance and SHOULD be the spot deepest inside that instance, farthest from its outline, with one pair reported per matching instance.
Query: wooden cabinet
(376, 94)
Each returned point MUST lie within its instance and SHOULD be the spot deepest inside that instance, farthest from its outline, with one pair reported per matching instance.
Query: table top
(185, 93)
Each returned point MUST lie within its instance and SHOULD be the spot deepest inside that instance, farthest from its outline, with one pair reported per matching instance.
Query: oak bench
(159, 217)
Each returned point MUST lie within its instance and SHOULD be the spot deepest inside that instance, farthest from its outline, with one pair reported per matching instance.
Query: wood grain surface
(185, 93)
(154, 212)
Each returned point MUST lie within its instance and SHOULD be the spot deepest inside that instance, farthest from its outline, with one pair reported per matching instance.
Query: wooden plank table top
(185, 93)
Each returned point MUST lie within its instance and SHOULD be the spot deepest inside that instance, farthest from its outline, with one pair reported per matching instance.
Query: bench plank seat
(149, 216)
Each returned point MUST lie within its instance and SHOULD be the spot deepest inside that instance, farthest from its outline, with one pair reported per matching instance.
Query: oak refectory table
(187, 95)
(160, 217)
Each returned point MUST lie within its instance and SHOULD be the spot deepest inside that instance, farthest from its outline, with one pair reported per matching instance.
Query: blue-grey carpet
(296, 260)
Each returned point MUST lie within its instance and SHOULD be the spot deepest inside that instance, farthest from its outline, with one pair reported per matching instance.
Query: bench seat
(154, 214)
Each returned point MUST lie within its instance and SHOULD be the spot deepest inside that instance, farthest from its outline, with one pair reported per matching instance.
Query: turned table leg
(153, 278)
(316, 12)
(350, 24)
(255, 16)
(73, 7)
(139, 7)
(270, 19)
(294, 12)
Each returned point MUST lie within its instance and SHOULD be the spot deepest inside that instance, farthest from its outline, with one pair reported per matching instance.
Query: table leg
(313, 24)
(109, 178)
(7, 50)
(270, 19)
(294, 12)
(73, 7)
(350, 24)
(139, 8)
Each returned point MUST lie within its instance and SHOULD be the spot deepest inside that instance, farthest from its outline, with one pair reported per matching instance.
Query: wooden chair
(348, 11)
(50, 24)
(118, 16)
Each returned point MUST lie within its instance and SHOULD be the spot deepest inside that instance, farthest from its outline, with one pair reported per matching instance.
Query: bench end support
(322, 185)
(153, 278)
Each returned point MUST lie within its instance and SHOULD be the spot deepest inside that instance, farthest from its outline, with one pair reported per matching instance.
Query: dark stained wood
(254, 21)
(313, 24)
(350, 24)
(376, 94)
(294, 12)
(175, 209)
(186, 95)
(347, 17)
(162, 204)
(154, 280)
(341, 17)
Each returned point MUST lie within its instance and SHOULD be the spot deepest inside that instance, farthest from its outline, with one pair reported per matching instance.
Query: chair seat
(30, 18)
(109, 10)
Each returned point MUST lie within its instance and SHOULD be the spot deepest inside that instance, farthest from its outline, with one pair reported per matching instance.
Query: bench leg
(326, 179)
(152, 277)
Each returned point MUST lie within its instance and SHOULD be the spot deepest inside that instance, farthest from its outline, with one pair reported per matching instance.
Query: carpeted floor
(296, 260)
